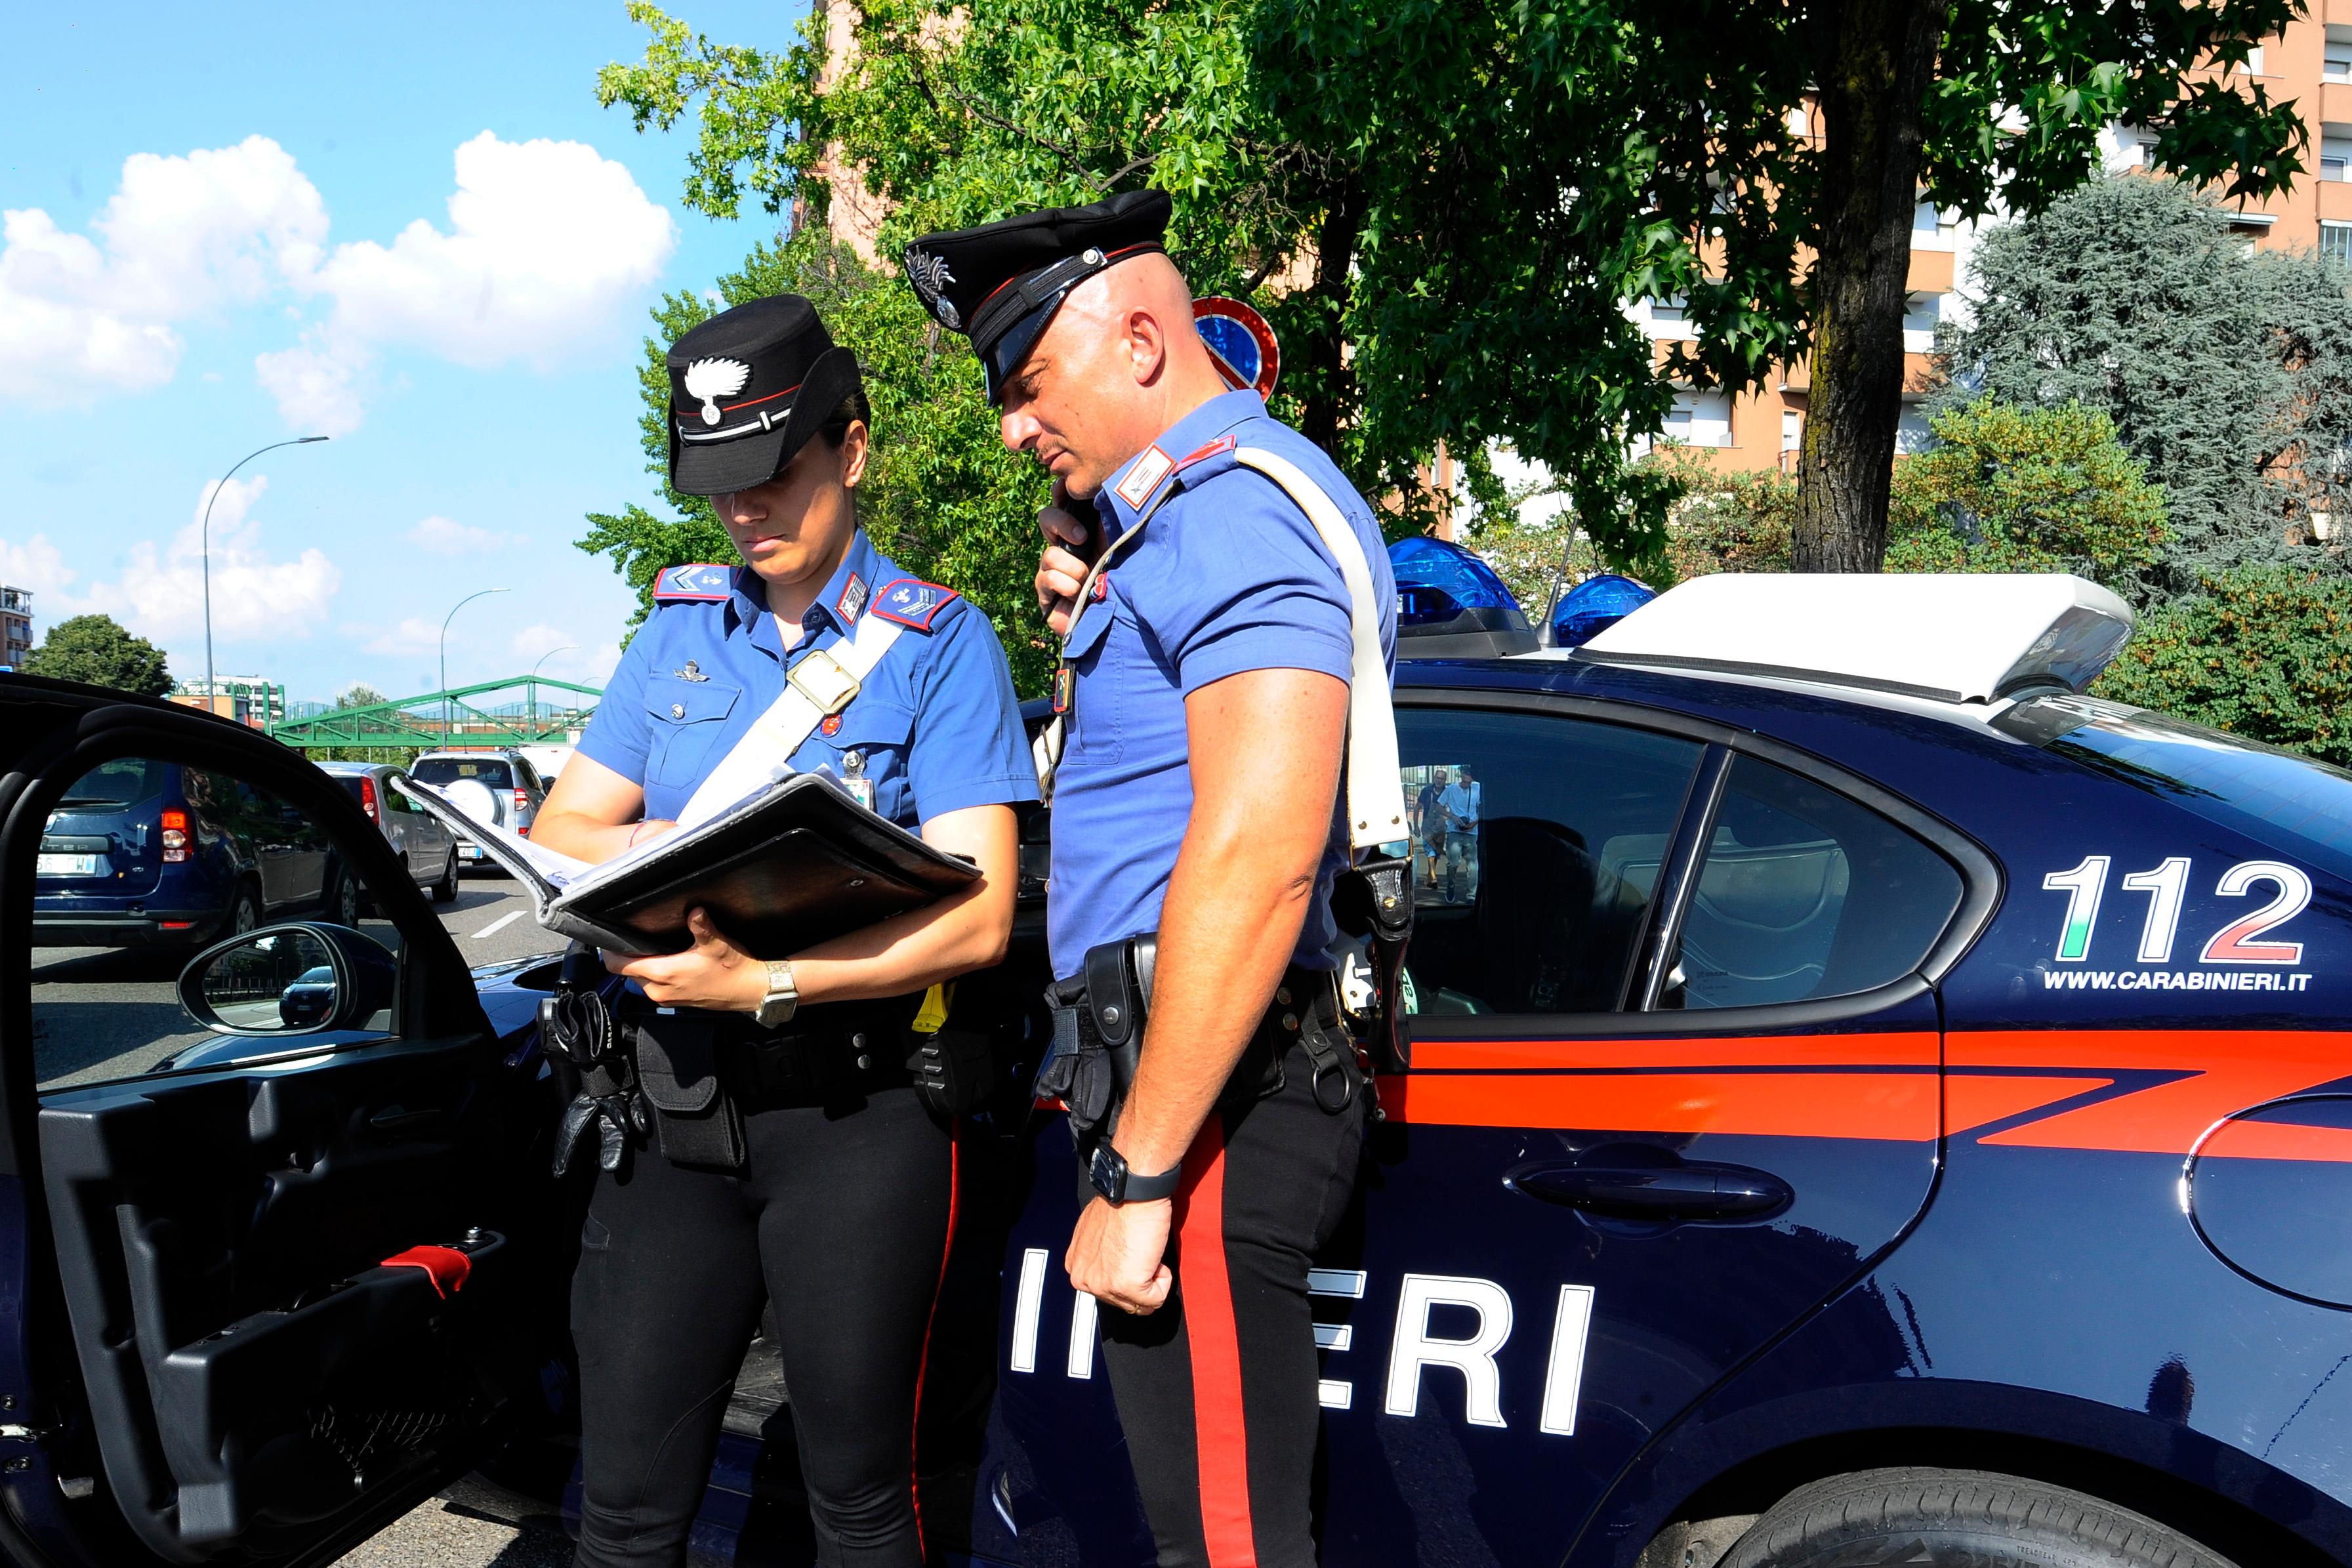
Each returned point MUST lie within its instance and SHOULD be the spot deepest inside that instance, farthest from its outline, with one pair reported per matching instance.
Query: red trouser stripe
(923, 1365)
(1219, 1425)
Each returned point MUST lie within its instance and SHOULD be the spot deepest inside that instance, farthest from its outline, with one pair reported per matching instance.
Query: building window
(2336, 64)
(2254, 60)
(1700, 419)
(1666, 309)
(1792, 430)
(2336, 242)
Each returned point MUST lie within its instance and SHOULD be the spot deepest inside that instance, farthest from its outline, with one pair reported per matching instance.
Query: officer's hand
(714, 973)
(1060, 571)
(1119, 1256)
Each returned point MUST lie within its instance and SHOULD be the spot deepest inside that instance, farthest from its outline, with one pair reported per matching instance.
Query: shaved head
(1120, 362)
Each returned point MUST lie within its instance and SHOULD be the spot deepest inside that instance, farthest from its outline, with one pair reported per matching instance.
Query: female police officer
(838, 1208)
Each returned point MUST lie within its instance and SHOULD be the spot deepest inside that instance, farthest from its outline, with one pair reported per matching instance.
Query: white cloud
(547, 242)
(37, 566)
(412, 635)
(161, 593)
(548, 245)
(182, 235)
(444, 536)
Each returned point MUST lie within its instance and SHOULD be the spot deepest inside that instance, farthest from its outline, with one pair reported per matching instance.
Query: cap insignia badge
(930, 273)
(712, 379)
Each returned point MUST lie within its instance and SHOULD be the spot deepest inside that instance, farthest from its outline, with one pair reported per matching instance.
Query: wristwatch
(783, 998)
(1118, 1185)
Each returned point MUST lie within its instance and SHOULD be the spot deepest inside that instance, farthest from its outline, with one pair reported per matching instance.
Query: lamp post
(212, 691)
(445, 654)
(531, 688)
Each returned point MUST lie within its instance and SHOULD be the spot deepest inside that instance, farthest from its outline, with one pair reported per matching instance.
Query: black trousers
(1217, 1390)
(842, 1217)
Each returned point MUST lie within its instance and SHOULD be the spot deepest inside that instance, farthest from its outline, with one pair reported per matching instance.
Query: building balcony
(1931, 272)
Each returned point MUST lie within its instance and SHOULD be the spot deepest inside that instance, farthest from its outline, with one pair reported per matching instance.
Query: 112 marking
(2167, 885)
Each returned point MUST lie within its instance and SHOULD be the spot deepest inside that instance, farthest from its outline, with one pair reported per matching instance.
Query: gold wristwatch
(783, 998)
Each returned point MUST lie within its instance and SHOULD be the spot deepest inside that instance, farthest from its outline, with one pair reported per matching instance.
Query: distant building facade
(15, 626)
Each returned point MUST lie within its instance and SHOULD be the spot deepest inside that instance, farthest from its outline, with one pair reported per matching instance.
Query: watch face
(1108, 1171)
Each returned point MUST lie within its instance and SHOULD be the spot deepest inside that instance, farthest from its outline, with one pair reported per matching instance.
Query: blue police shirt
(1229, 575)
(936, 722)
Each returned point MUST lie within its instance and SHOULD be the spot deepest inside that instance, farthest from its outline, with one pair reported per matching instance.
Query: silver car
(430, 850)
(506, 778)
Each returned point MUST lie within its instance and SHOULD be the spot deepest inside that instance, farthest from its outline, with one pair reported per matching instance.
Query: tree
(2224, 368)
(2007, 489)
(97, 649)
(2263, 651)
(360, 694)
(1444, 205)
(941, 494)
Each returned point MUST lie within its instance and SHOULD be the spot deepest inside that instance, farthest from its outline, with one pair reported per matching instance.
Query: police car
(1867, 1102)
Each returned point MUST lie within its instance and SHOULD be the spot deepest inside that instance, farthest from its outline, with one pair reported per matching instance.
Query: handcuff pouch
(954, 1070)
(1373, 899)
(678, 1068)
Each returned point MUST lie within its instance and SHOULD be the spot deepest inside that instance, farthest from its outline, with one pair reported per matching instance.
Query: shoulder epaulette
(1217, 447)
(702, 581)
(912, 602)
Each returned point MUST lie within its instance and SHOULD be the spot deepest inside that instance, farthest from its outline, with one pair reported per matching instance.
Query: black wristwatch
(1118, 1185)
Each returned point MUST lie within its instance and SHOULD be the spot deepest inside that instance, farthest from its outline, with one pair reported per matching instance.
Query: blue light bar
(1595, 604)
(1451, 604)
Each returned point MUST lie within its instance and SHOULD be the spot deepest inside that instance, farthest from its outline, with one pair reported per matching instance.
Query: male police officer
(1206, 684)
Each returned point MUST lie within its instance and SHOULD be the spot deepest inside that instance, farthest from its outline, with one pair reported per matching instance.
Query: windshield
(122, 782)
(352, 783)
(442, 771)
(2301, 807)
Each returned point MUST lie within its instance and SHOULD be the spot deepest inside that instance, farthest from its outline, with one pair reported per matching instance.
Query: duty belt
(1098, 1024)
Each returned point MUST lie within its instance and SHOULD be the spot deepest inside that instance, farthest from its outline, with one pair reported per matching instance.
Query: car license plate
(72, 865)
(471, 852)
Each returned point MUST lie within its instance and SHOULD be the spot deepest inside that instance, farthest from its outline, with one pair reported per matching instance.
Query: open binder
(793, 863)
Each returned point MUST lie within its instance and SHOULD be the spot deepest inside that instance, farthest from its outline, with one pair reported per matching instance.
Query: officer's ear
(857, 443)
(1147, 346)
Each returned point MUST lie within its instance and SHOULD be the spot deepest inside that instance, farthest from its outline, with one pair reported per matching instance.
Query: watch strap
(1151, 1189)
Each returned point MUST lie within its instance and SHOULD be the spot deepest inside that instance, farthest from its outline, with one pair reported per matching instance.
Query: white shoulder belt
(819, 686)
(1375, 789)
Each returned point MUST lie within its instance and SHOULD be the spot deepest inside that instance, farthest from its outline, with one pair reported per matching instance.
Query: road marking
(498, 924)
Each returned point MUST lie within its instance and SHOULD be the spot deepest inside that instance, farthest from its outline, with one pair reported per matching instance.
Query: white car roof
(1945, 637)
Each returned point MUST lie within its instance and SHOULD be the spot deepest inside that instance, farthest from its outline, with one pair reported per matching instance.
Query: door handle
(1695, 1191)
(394, 1117)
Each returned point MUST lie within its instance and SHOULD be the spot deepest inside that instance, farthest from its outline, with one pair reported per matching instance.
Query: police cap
(747, 389)
(1001, 282)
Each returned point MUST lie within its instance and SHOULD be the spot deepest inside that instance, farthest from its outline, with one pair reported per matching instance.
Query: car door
(1674, 1081)
(280, 1261)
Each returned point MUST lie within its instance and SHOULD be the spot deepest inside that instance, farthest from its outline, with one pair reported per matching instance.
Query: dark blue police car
(1867, 1102)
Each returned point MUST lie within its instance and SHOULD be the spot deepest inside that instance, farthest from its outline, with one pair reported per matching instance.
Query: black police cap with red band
(747, 389)
(1000, 283)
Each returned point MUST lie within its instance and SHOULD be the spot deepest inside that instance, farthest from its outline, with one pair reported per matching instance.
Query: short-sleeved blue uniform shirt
(936, 724)
(1228, 576)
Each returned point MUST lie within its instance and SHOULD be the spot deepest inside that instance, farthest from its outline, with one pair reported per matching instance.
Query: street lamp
(445, 654)
(532, 687)
(212, 692)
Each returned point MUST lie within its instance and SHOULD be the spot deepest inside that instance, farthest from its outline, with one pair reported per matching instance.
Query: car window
(126, 892)
(439, 771)
(1803, 894)
(1536, 841)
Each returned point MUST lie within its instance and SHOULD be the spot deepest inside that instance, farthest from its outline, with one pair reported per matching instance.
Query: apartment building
(15, 626)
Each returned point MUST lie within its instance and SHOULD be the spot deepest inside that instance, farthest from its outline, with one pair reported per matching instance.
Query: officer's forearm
(1265, 749)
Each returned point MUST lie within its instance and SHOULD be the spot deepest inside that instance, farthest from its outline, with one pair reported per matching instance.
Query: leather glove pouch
(954, 1070)
(678, 1068)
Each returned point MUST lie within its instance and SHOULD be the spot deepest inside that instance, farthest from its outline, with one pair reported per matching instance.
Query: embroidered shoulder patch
(1144, 476)
(912, 602)
(852, 603)
(1222, 444)
(702, 581)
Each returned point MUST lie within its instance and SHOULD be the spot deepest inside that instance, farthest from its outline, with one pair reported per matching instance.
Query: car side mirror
(300, 978)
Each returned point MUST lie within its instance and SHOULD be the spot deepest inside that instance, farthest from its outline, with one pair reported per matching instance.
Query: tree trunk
(1877, 60)
(1335, 255)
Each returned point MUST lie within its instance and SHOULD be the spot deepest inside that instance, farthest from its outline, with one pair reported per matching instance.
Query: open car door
(274, 1211)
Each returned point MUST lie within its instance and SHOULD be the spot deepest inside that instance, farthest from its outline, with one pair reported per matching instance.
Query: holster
(700, 1123)
(1373, 899)
(953, 1070)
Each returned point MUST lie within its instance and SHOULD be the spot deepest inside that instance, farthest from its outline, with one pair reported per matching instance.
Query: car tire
(343, 909)
(1963, 1519)
(243, 911)
(445, 891)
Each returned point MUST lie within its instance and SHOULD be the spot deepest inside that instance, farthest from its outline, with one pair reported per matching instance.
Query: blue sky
(221, 234)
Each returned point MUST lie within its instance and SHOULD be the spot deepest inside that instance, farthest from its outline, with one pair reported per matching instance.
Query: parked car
(503, 782)
(140, 852)
(430, 850)
(1870, 1103)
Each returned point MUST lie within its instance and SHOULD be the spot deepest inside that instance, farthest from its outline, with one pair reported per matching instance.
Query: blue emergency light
(1450, 604)
(1595, 604)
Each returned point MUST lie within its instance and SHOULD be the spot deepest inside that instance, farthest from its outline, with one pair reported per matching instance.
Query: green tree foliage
(2007, 489)
(2222, 367)
(941, 496)
(1443, 204)
(2263, 651)
(97, 649)
(360, 694)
